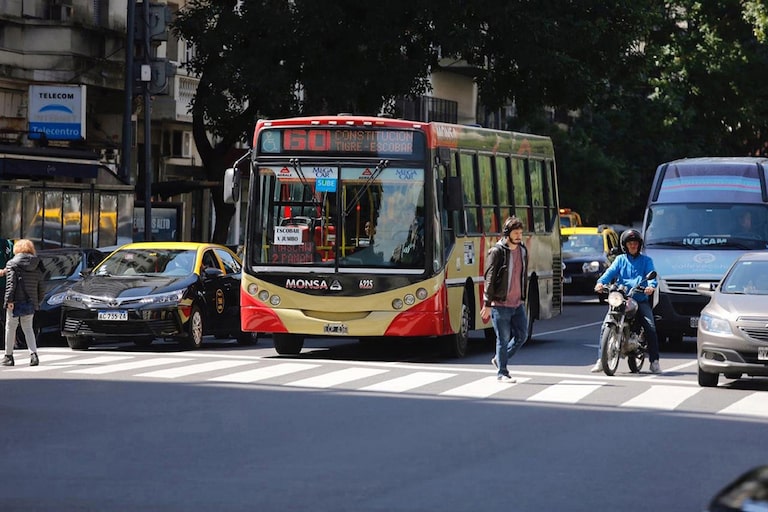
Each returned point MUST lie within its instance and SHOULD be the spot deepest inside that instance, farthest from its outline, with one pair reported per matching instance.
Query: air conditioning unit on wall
(186, 145)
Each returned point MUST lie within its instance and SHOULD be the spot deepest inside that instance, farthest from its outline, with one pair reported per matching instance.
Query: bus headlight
(253, 288)
(410, 300)
(397, 303)
(421, 293)
(263, 295)
(274, 300)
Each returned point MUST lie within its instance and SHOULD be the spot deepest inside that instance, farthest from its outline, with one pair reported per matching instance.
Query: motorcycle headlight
(163, 298)
(714, 325)
(615, 299)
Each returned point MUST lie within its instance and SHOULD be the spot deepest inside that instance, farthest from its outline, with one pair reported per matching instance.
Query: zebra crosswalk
(635, 392)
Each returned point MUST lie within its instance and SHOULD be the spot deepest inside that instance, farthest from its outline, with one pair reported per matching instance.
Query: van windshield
(726, 226)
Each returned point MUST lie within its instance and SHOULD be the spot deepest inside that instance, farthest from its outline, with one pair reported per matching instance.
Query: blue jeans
(645, 317)
(511, 327)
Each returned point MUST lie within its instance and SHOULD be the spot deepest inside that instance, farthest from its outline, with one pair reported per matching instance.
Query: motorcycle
(621, 335)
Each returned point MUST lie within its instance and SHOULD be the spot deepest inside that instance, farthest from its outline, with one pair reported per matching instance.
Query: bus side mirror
(231, 185)
(453, 197)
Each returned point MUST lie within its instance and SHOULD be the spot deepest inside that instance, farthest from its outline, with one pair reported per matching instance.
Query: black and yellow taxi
(587, 252)
(148, 290)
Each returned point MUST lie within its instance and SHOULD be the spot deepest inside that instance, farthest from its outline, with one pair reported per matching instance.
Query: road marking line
(131, 365)
(269, 372)
(335, 378)
(100, 360)
(408, 382)
(567, 391)
(482, 388)
(184, 371)
(661, 397)
(755, 404)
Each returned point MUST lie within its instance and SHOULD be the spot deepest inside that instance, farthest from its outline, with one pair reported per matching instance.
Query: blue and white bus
(702, 213)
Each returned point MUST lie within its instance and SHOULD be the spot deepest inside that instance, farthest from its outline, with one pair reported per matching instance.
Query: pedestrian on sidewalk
(23, 291)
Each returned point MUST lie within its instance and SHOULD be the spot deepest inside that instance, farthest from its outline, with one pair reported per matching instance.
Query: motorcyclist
(629, 269)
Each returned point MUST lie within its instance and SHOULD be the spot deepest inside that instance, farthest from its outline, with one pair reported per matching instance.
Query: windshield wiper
(375, 174)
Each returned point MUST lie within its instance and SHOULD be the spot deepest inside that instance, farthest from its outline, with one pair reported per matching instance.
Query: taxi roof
(585, 230)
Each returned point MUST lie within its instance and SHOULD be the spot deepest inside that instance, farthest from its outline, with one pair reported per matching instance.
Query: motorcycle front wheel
(611, 351)
(635, 360)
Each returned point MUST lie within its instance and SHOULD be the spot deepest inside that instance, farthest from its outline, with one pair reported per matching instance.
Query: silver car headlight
(163, 298)
(714, 325)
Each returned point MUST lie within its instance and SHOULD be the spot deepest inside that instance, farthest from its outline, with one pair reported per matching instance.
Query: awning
(26, 165)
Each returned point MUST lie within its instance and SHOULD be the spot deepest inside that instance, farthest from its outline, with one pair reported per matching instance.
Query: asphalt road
(354, 427)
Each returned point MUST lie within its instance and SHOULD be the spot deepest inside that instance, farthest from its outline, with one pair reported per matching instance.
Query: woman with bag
(23, 291)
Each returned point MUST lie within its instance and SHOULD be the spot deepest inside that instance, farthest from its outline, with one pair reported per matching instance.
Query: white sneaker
(655, 368)
(598, 367)
(505, 378)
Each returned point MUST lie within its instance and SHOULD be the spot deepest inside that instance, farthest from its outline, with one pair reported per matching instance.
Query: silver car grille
(755, 328)
(683, 287)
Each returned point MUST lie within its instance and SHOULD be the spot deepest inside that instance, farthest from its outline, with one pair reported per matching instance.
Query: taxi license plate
(118, 314)
(567, 280)
(694, 322)
(762, 353)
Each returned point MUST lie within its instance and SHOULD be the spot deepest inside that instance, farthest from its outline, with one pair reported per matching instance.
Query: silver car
(732, 336)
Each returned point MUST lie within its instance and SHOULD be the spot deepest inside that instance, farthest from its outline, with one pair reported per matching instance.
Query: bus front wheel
(457, 343)
(288, 344)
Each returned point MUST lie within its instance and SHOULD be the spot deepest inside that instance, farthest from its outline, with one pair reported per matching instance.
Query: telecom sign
(58, 111)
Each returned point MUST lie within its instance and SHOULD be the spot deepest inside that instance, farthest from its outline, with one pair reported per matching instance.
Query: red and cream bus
(367, 227)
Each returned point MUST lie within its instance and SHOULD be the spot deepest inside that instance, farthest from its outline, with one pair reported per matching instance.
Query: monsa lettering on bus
(306, 284)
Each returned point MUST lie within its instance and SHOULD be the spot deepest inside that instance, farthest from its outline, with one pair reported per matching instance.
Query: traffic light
(156, 27)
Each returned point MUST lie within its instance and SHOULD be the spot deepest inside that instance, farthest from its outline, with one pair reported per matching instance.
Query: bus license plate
(335, 329)
(694, 322)
(118, 314)
(762, 353)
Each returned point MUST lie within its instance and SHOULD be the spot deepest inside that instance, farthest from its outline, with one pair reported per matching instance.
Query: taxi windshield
(127, 262)
(582, 245)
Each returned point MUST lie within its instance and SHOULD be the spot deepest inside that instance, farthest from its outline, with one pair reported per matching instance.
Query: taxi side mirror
(212, 272)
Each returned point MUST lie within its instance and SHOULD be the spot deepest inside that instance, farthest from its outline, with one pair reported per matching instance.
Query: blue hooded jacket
(629, 271)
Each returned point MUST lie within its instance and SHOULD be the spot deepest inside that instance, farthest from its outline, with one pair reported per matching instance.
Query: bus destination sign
(340, 141)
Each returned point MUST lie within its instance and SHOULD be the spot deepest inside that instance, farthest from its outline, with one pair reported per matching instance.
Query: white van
(702, 213)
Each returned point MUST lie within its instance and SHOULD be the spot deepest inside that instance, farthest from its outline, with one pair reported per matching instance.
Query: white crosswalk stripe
(192, 369)
(408, 382)
(755, 404)
(661, 397)
(481, 388)
(336, 378)
(566, 392)
(258, 374)
(131, 365)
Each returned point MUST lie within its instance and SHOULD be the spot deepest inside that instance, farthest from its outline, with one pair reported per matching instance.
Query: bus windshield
(341, 216)
(715, 225)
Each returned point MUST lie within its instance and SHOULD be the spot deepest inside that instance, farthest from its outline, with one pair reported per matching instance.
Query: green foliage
(651, 80)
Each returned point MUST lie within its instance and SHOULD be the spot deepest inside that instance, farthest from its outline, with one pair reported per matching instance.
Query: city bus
(373, 228)
(694, 228)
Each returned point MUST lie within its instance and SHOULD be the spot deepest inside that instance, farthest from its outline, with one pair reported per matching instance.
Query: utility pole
(150, 28)
(125, 157)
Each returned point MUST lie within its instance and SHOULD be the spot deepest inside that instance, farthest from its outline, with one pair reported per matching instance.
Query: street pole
(125, 157)
(147, 133)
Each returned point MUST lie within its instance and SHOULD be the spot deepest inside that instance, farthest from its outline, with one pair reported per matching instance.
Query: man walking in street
(506, 276)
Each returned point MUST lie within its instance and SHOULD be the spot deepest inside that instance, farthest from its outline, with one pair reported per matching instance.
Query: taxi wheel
(195, 323)
(77, 342)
